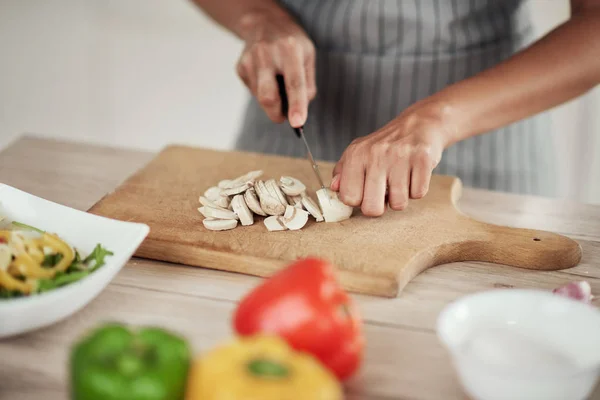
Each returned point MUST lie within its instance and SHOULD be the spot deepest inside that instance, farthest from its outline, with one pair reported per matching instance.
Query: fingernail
(335, 181)
(296, 120)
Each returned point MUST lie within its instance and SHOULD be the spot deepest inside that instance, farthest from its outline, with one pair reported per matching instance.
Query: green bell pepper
(117, 363)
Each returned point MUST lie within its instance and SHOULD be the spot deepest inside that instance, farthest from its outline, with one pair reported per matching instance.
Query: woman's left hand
(398, 158)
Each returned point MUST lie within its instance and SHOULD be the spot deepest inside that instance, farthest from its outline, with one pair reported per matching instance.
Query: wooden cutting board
(377, 256)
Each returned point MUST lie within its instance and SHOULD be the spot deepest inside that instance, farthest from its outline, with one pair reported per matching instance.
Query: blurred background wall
(141, 74)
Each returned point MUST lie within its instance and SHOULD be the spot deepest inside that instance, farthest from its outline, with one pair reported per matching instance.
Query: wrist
(443, 113)
(256, 19)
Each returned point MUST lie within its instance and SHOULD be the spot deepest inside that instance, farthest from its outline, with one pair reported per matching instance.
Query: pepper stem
(268, 368)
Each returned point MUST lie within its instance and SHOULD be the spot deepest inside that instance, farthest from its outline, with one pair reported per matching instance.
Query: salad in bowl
(55, 259)
(34, 261)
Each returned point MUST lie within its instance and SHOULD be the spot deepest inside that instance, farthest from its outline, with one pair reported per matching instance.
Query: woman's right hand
(275, 44)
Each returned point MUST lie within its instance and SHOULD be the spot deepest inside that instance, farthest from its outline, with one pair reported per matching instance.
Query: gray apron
(377, 57)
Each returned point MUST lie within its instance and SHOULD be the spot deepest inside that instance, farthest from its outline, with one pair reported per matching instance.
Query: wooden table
(404, 359)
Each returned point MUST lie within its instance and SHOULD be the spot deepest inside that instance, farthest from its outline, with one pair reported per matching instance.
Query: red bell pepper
(304, 304)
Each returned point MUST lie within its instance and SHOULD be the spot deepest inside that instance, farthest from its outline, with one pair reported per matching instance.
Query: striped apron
(377, 57)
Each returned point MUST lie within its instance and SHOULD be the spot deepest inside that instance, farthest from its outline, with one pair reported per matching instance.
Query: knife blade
(299, 131)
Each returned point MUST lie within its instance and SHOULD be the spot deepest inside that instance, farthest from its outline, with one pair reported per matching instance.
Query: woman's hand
(275, 44)
(398, 159)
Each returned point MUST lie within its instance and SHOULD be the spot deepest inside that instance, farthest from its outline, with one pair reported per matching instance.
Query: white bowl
(523, 344)
(83, 231)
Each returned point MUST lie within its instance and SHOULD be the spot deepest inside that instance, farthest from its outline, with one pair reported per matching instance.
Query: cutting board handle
(523, 248)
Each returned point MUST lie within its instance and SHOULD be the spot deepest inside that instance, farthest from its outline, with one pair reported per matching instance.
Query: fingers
(352, 182)
(245, 70)
(398, 180)
(295, 83)
(293, 56)
(310, 68)
(336, 175)
(392, 178)
(422, 166)
(373, 203)
(268, 94)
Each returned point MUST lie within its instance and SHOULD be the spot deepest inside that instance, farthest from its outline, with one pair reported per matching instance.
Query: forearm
(239, 16)
(559, 67)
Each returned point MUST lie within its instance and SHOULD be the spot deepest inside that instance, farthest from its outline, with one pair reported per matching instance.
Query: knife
(299, 131)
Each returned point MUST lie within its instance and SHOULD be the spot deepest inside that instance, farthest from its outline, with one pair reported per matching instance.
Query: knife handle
(284, 101)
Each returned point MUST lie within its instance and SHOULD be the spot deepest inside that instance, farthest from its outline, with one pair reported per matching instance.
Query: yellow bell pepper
(61, 247)
(28, 261)
(10, 283)
(260, 367)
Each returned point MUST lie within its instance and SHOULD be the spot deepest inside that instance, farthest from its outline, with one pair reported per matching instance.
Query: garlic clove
(581, 291)
(312, 208)
(236, 189)
(291, 186)
(219, 213)
(333, 209)
(253, 203)
(274, 223)
(294, 218)
(241, 209)
(219, 224)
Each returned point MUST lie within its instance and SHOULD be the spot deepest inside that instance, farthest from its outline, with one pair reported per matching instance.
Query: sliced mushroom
(294, 218)
(296, 201)
(260, 189)
(241, 209)
(333, 209)
(215, 204)
(213, 193)
(251, 176)
(275, 191)
(289, 212)
(268, 203)
(292, 186)
(218, 213)
(226, 184)
(236, 189)
(253, 203)
(219, 224)
(222, 202)
(275, 223)
(201, 210)
(271, 206)
(207, 203)
(312, 208)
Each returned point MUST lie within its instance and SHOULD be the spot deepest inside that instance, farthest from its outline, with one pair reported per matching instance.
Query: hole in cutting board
(537, 239)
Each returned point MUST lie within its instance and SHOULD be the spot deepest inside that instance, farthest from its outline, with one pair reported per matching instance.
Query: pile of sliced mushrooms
(285, 204)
